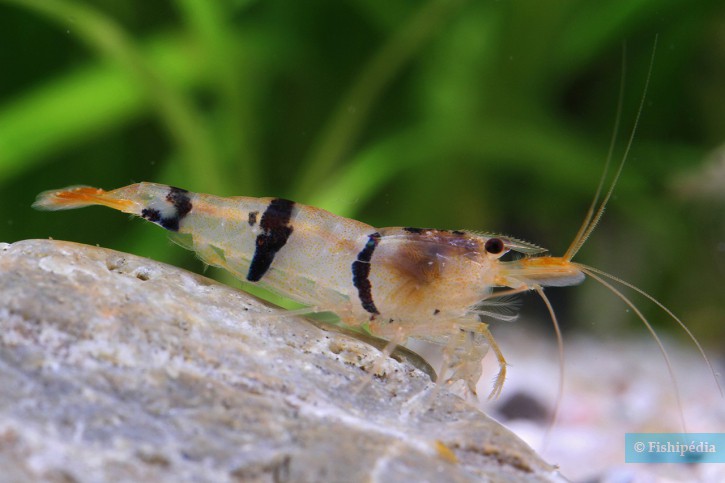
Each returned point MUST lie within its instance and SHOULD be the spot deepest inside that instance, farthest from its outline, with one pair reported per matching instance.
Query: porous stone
(119, 368)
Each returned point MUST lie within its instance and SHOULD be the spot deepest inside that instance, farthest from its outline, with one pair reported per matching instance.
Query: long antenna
(560, 346)
(593, 274)
(590, 270)
(590, 221)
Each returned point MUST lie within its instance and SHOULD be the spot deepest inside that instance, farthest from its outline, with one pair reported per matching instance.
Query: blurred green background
(484, 115)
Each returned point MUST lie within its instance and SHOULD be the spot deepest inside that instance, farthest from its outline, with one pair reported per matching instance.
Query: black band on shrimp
(180, 199)
(277, 230)
(361, 272)
(181, 203)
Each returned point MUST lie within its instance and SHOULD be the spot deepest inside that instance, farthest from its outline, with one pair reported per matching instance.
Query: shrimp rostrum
(396, 282)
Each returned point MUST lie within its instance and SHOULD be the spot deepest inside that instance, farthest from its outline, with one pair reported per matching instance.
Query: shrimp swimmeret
(399, 282)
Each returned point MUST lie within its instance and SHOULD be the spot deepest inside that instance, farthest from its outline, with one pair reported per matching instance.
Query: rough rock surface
(117, 368)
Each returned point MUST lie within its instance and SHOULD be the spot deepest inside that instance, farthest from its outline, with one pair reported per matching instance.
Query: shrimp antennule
(593, 216)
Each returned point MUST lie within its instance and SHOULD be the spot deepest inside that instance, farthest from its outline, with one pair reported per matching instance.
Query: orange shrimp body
(400, 282)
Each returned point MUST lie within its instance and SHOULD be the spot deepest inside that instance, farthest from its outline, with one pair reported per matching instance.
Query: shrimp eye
(494, 246)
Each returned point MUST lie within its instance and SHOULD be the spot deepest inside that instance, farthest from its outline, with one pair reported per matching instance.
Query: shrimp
(398, 282)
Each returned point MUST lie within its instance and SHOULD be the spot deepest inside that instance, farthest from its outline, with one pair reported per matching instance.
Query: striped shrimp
(398, 282)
